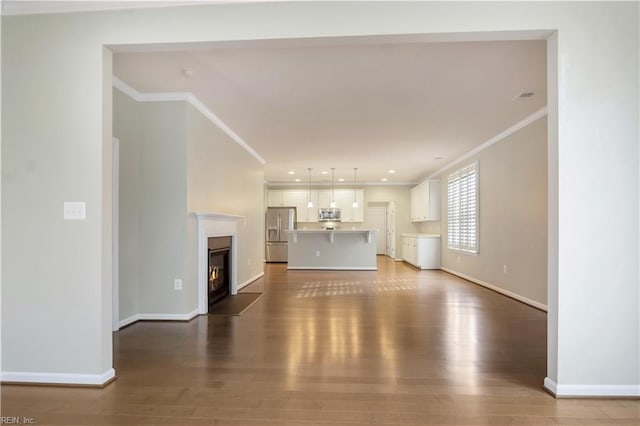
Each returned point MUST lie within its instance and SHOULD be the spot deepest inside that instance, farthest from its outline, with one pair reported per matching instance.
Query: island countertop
(340, 249)
(333, 230)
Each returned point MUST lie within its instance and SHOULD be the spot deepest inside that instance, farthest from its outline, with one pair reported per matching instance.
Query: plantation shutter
(462, 209)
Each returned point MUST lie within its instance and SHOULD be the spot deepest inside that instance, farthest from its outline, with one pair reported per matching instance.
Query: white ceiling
(30, 7)
(373, 103)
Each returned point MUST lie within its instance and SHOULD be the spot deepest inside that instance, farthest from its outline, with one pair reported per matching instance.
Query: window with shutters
(462, 209)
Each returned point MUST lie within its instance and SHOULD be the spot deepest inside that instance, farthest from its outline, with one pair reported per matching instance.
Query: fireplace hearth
(219, 271)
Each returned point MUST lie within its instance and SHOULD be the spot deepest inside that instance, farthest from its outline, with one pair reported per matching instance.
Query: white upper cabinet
(298, 198)
(319, 198)
(294, 198)
(425, 201)
(344, 201)
(305, 213)
(274, 198)
(324, 198)
(286, 198)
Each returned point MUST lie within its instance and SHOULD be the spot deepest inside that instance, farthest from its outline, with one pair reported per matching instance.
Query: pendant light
(309, 203)
(333, 200)
(355, 180)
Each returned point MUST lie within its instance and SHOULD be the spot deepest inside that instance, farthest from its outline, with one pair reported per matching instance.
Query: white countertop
(341, 231)
(421, 235)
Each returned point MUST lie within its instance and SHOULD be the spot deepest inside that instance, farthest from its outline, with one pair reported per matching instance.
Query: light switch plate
(75, 210)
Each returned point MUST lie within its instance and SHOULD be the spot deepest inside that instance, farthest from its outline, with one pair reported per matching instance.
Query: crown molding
(337, 185)
(497, 138)
(194, 102)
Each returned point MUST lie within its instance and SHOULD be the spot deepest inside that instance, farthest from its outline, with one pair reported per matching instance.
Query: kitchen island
(338, 249)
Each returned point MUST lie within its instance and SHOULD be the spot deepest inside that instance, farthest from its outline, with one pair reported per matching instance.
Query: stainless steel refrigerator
(279, 220)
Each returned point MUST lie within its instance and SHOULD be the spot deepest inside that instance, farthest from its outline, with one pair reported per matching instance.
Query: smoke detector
(188, 72)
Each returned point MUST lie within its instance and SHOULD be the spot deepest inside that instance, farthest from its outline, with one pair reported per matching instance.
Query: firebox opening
(219, 270)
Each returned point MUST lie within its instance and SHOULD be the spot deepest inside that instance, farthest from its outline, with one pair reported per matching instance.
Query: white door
(377, 219)
(391, 230)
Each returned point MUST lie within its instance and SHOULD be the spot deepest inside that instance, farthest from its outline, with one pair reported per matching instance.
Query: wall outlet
(505, 269)
(249, 262)
(317, 253)
(177, 284)
(458, 259)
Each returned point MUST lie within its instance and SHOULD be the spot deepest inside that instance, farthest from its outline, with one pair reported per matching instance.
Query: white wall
(52, 284)
(512, 215)
(60, 156)
(127, 129)
(1, 192)
(222, 177)
(175, 162)
(163, 208)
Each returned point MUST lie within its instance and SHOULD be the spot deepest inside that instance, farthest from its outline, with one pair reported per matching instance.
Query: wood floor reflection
(392, 347)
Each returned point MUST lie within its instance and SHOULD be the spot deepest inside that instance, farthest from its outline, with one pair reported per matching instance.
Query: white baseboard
(250, 280)
(500, 290)
(589, 391)
(59, 378)
(336, 268)
(125, 322)
(169, 317)
(157, 317)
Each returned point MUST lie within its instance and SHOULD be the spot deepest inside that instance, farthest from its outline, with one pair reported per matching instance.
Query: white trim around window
(462, 209)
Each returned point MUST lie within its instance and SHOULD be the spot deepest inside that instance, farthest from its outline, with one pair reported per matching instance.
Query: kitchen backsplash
(430, 227)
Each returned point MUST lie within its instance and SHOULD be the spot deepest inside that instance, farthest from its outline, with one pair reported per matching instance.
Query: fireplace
(219, 270)
(214, 225)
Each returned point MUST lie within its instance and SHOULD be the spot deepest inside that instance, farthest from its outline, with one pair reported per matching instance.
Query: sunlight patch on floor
(346, 287)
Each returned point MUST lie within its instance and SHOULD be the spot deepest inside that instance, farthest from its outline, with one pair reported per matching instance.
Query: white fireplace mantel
(215, 225)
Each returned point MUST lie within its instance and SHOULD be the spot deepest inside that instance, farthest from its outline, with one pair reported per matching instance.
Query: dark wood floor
(392, 347)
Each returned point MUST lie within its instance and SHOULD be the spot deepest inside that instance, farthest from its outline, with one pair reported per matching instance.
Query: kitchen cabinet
(421, 250)
(294, 198)
(274, 198)
(297, 198)
(319, 198)
(425, 201)
(308, 214)
(344, 201)
(286, 198)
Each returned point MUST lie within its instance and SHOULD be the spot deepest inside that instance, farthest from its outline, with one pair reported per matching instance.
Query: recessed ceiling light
(298, 179)
(341, 180)
(291, 172)
(324, 172)
(384, 179)
(392, 171)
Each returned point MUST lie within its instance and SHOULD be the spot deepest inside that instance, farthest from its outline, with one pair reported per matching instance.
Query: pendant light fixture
(309, 203)
(355, 180)
(333, 200)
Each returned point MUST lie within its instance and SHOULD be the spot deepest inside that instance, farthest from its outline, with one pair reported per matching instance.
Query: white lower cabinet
(421, 250)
